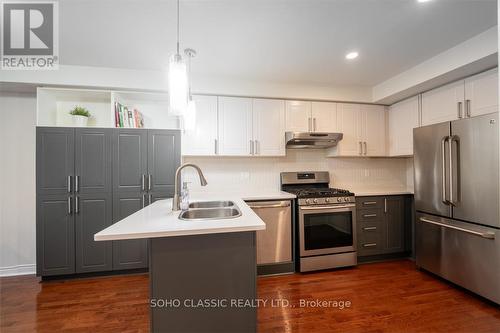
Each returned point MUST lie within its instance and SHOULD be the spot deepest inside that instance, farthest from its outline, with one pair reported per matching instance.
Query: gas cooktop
(319, 192)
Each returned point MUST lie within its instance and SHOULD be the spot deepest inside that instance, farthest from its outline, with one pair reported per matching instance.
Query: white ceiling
(294, 41)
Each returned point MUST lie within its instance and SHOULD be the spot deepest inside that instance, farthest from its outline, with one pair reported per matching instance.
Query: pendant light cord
(178, 19)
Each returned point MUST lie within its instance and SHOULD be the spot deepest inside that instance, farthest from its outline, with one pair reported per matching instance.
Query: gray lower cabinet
(93, 212)
(55, 230)
(129, 254)
(381, 225)
(89, 178)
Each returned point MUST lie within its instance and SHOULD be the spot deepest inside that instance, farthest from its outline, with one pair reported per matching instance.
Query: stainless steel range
(326, 218)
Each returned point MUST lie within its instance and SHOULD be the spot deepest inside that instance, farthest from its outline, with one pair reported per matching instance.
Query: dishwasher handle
(274, 205)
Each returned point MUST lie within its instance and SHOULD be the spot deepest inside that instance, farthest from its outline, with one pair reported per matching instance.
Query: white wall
(248, 175)
(17, 183)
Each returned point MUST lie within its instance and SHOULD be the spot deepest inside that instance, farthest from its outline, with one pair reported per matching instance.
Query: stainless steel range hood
(312, 140)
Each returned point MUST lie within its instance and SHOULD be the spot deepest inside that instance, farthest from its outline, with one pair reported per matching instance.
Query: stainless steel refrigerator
(457, 202)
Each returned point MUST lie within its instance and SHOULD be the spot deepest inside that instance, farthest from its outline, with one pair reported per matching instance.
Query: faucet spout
(176, 204)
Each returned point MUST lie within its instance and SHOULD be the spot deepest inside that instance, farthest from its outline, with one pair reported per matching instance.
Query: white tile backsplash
(262, 173)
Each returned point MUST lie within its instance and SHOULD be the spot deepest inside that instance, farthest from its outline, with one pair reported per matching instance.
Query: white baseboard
(18, 270)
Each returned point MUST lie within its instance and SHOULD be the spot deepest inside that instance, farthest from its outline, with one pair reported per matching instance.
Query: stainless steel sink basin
(211, 204)
(210, 213)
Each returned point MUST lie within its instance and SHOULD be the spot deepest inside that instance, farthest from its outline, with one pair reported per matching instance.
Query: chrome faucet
(176, 203)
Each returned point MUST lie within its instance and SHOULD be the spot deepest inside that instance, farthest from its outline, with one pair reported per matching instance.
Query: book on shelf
(128, 118)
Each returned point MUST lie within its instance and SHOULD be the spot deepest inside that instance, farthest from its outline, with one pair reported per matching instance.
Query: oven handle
(327, 207)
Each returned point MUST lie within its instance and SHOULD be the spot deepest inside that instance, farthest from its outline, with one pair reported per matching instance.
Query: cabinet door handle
(251, 147)
(150, 201)
(360, 148)
(257, 147)
(314, 124)
(77, 205)
(69, 206)
(467, 108)
(369, 228)
(150, 181)
(370, 245)
(370, 215)
(77, 184)
(69, 184)
(143, 200)
(459, 107)
(309, 124)
(385, 205)
(143, 182)
(366, 149)
(369, 203)
(215, 147)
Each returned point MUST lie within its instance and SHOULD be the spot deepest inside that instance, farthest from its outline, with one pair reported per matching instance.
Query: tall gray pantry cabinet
(89, 178)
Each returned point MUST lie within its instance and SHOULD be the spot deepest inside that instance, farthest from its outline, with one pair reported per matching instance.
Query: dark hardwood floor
(385, 297)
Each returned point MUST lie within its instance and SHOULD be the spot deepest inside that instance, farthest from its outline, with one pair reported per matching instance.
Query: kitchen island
(202, 272)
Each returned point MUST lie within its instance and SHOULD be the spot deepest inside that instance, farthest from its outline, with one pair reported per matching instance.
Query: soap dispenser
(185, 196)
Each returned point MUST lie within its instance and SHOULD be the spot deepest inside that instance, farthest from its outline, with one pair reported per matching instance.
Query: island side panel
(203, 267)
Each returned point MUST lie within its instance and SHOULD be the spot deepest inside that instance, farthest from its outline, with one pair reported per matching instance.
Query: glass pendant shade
(190, 116)
(177, 85)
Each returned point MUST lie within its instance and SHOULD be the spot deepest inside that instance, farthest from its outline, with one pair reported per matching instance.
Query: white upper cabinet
(298, 116)
(481, 93)
(268, 127)
(324, 117)
(403, 118)
(471, 97)
(235, 126)
(363, 128)
(202, 139)
(349, 124)
(443, 104)
(373, 130)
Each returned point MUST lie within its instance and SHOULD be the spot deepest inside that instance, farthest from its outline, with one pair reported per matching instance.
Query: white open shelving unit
(54, 105)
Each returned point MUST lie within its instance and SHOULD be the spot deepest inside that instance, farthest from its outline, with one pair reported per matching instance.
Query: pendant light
(190, 117)
(177, 80)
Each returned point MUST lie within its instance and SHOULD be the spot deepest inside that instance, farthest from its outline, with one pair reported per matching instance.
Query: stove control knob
(346, 199)
(327, 200)
(307, 201)
(339, 199)
(315, 200)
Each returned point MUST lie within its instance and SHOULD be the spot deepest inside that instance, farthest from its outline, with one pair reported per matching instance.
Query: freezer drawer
(274, 244)
(463, 253)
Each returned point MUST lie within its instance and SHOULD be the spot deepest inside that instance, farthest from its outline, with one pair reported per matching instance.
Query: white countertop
(158, 220)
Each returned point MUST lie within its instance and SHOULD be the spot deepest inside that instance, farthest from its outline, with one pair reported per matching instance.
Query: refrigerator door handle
(488, 235)
(444, 199)
(453, 201)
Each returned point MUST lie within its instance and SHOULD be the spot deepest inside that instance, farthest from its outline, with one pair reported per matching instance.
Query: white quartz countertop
(369, 193)
(158, 220)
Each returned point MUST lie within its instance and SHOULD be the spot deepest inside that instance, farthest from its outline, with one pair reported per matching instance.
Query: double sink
(210, 210)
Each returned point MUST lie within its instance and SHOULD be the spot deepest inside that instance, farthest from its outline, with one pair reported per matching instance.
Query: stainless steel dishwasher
(274, 245)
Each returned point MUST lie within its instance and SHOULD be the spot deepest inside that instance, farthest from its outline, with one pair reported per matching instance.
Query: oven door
(327, 229)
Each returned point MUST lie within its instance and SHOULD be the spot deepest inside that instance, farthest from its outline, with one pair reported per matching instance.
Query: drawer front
(369, 215)
(369, 232)
(369, 202)
(370, 244)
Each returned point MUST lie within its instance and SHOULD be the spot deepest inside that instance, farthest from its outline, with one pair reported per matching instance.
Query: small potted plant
(80, 116)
